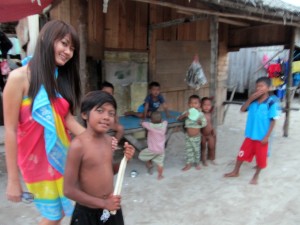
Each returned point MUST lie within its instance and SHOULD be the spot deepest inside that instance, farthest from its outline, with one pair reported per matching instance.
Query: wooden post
(152, 43)
(213, 83)
(82, 31)
(288, 87)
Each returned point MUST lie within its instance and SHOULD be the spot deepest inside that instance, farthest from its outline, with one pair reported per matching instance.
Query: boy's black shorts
(83, 215)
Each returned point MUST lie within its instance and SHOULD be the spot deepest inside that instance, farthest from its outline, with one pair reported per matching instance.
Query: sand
(205, 196)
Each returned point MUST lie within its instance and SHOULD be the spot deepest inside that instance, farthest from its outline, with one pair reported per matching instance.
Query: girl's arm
(12, 99)
(73, 125)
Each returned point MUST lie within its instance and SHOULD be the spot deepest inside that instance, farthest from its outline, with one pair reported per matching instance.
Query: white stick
(118, 186)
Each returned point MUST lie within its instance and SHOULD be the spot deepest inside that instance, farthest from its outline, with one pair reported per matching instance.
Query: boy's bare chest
(96, 176)
(97, 156)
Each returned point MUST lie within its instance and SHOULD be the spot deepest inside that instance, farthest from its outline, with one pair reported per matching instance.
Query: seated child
(156, 140)
(208, 135)
(193, 137)
(118, 128)
(151, 103)
(89, 172)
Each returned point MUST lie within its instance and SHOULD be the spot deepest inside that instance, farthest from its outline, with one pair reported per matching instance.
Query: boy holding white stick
(89, 173)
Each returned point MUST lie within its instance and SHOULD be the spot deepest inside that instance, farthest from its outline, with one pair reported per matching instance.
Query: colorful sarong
(42, 149)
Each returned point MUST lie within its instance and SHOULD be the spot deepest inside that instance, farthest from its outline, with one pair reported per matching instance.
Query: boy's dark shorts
(83, 215)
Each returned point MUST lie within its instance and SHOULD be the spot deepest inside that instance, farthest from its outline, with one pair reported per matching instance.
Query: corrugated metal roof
(270, 4)
(273, 10)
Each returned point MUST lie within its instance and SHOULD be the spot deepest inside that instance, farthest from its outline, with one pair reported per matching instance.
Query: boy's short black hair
(194, 97)
(107, 84)
(96, 99)
(153, 84)
(265, 80)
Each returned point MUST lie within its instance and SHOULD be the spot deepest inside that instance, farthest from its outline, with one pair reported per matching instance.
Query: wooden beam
(185, 12)
(215, 13)
(233, 22)
(178, 21)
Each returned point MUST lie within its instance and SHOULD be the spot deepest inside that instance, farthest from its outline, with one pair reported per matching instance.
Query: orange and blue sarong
(43, 142)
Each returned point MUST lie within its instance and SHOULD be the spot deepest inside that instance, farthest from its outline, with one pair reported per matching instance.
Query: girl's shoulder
(20, 75)
(18, 80)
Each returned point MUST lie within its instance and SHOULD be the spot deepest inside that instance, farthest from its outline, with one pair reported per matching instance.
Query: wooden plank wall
(126, 26)
(123, 27)
(173, 60)
(173, 53)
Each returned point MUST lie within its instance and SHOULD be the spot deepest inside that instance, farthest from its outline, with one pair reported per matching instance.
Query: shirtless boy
(89, 173)
(208, 133)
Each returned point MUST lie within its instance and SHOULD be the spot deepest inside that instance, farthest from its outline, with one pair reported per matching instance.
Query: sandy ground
(205, 196)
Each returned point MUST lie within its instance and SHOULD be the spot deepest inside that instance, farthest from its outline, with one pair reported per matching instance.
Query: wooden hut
(137, 41)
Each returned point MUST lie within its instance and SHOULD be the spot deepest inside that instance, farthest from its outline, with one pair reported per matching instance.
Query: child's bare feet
(159, 177)
(187, 167)
(149, 167)
(253, 181)
(204, 163)
(232, 174)
(213, 162)
(197, 166)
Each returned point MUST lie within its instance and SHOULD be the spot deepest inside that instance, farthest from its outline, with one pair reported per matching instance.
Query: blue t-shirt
(259, 118)
(154, 105)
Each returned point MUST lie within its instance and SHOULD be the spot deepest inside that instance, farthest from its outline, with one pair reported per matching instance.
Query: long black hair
(42, 65)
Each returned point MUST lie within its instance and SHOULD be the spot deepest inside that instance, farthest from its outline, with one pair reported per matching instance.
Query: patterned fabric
(55, 137)
(192, 148)
(42, 148)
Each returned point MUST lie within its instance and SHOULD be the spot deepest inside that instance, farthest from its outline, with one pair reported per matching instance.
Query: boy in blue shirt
(262, 113)
(151, 104)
